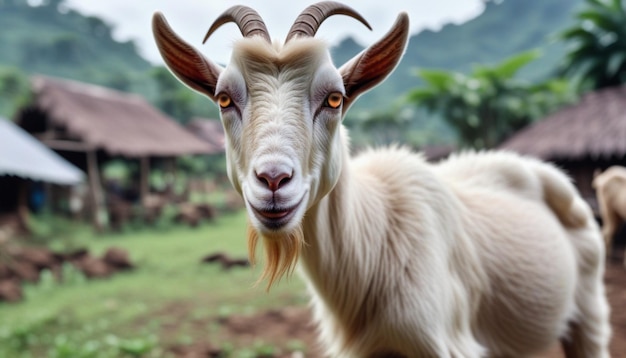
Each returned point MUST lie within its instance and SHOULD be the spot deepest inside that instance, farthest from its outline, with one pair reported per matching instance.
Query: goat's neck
(357, 246)
(335, 242)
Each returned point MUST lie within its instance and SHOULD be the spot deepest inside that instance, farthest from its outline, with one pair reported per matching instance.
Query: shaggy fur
(281, 254)
(484, 255)
(610, 189)
(466, 258)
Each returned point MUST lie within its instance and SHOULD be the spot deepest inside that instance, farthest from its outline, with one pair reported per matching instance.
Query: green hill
(54, 40)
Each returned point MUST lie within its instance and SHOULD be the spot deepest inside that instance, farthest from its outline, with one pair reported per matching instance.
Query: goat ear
(375, 63)
(183, 60)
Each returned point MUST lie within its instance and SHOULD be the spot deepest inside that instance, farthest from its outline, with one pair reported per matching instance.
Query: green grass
(128, 313)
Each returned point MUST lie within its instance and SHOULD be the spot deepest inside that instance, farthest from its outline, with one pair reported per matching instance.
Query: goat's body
(483, 255)
(462, 259)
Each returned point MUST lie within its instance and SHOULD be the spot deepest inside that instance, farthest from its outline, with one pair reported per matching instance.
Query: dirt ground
(281, 328)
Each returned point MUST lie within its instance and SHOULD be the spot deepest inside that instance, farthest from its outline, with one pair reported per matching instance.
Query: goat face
(281, 106)
(281, 109)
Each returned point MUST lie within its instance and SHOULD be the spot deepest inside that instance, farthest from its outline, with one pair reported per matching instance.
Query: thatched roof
(116, 122)
(595, 127)
(23, 156)
(209, 130)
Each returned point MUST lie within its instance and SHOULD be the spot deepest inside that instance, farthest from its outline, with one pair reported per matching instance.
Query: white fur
(460, 259)
(486, 254)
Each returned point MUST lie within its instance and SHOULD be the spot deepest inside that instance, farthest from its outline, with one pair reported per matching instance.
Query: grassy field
(133, 314)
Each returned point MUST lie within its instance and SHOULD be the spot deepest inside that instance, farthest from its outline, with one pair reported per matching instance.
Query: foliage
(14, 90)
(45, 229)
(505, 28)
(597, 56)
(383, 128)
(173, 97)
(490, 103)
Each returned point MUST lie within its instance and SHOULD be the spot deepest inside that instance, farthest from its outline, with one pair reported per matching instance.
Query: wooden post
(171, 178)
(144, 185)
(22, 205)
(171, 169)
(95, 187)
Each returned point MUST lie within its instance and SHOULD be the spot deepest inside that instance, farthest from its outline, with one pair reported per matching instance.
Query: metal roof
(24, 156)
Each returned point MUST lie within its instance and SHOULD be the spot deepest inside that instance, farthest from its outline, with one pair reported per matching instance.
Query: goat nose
(274, 179)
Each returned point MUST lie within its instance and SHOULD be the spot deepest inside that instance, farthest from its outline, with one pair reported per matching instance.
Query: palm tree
(597, 58)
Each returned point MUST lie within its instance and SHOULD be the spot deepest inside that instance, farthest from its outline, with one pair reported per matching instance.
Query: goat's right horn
(312, 17)
(247, 19)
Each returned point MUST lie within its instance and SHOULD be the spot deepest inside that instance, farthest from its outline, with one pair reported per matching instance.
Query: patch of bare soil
(19, 264)
(280, 327)
(288, 330)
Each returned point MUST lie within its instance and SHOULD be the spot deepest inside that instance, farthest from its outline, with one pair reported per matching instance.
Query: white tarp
(24, 156)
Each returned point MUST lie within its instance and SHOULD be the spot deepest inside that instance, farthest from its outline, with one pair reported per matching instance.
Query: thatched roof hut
(95, 117)
(593, 128)
(88, 124)
(581, 138)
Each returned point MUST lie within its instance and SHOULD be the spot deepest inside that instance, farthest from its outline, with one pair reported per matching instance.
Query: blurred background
(120, 235)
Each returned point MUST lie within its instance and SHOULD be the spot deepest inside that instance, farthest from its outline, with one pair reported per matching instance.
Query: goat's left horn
(312, 17)
(247, 19)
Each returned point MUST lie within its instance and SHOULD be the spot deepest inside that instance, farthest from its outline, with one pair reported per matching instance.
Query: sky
(190, 19)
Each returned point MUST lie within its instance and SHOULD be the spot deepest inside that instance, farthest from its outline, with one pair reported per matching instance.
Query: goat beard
(281, 253)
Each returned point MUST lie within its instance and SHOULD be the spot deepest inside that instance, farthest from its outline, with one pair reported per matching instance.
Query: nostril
(284, 180)
(274, 181)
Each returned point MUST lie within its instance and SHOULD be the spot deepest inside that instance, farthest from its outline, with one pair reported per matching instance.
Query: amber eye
(334, 100)
(224, 101)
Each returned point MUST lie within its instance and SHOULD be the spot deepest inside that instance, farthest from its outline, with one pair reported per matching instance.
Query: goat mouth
(275, 217)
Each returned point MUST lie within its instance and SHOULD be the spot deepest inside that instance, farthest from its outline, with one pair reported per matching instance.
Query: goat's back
(498, 239)
(533, 234)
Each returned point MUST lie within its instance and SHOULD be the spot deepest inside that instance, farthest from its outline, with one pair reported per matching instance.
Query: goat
(610, 188)
(486, 254)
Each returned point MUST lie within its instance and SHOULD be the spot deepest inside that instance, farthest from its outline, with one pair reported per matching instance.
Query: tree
(385, 128)
(491, 103)
(597, 57)
(173, 98)
(14, 90)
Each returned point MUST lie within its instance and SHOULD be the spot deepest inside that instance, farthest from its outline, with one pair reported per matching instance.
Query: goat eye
(334, 100)
(224, 101)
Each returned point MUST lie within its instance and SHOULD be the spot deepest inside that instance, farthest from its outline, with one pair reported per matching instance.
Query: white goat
(610, 188)
(486, 254)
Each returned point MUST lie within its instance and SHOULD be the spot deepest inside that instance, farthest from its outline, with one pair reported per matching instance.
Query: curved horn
(247, 19)
(312, 17)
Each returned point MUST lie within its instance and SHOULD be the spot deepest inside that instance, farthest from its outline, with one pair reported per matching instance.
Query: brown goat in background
(611, 192)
